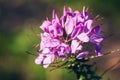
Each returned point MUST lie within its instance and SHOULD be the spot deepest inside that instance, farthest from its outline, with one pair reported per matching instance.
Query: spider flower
(66, 35)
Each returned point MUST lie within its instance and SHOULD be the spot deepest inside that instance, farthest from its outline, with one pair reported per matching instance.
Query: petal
(64, 11)
(56, 29)
(44, 39)
(82, 55)
(80, 18)
(48, 60)
(45, 25)
(77, 30)
(88, 24)
(99, 40)
(47, 41)
(61, 51)
(46, 65)
(39, 59)
(59, 30)
(83, 37)
(54, 16)
(63, 17)
(77, 12)
(46, 50)
(79, 47)
(96, 30)
(74, 45)
(69, 25)
(96, 38)
(67, 48)
(97, 49)
(53, 43)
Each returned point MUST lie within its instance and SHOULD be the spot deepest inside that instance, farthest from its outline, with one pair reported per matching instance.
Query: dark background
(19, 24)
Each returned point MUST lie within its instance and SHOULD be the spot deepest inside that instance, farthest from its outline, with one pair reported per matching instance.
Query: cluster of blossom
(65, 35)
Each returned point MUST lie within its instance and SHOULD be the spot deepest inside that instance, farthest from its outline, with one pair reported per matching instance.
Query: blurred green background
(20, 21)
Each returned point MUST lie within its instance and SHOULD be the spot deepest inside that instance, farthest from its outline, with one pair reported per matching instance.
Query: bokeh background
(19, 24)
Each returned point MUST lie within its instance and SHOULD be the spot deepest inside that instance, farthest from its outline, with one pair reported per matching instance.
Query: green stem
(81, 78)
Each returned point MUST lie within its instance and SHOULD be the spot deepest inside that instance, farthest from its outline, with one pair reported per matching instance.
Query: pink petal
(39, 59)
(45, 25)
(79, 47)
(69, 25)
(55, 17)
(74, 45)
(45, 50)
(83, 37)
(64, 11)
(53, 43)
(77, 30)
(47, 41)
(45, 37)
(88, 23)
(48, 60)
(79, 18)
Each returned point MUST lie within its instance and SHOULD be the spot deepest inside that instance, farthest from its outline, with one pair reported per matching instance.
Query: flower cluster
(66, 35)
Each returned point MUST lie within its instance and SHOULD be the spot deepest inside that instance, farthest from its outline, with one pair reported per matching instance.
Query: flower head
(66, 35)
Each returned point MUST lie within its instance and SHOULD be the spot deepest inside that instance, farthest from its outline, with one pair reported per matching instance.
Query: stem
(81, 78)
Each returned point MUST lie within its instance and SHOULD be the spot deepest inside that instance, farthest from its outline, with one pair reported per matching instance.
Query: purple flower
(66, 35)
